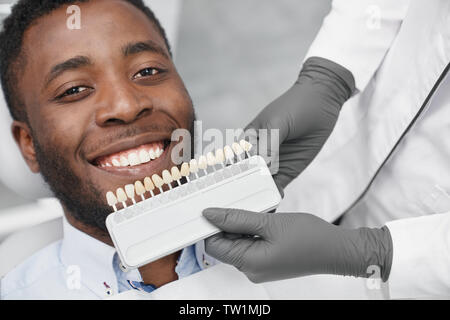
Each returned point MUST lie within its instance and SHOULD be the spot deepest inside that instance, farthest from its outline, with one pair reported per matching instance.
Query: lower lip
(141, 170)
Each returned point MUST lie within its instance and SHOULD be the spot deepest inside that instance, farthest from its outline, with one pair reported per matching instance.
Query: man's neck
(157, 273)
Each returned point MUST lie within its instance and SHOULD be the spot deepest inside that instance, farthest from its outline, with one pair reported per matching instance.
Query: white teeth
(144, 156)
(152, 154)
(116, 163)
(176, 175)
(139, 187)
(202, 163)
(158, 152)
(129, 189)
(121, 195)
(133, 159)
(107, 164)
(193, 166)
(124, 161)
(167, 177)
(185, 169)
(111, 199)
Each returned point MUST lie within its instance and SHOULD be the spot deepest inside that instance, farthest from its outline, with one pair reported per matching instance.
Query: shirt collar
(93, 258)
(96, 262)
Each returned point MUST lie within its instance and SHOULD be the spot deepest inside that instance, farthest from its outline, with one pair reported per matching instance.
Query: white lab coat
(389, 155)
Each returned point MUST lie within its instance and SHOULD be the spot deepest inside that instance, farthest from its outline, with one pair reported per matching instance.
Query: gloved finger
(238, 221)
(271, 118)
(233, 236)
(228, 251)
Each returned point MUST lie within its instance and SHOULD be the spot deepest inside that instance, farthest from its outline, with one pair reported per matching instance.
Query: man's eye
(73, 91)
(147, 72)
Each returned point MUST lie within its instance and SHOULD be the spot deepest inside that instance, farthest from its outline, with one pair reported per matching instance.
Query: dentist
(384, 171)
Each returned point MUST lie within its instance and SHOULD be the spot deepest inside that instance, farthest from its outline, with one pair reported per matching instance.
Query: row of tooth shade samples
(149, 185)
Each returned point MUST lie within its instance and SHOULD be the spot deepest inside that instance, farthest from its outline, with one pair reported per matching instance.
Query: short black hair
(23, 14)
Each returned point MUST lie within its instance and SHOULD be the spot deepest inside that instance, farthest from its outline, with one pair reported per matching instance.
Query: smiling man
(94, 109)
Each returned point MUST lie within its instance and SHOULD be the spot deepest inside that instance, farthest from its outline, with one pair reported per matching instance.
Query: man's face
(95, 96)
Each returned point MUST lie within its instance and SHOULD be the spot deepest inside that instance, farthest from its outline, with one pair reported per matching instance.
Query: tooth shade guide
(247, 146)
(121, 197)
(202, 163)
(112, 200)
(220, 157)
(237, 150)
(158, 182)
(176, 175)
(223, 187)
(229, 154)
(140, 189)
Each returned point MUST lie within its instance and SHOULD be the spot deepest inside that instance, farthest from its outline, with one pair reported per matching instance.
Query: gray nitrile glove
(305, 116)
(289, 245)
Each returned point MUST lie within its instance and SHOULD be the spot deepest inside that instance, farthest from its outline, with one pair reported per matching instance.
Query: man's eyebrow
(71, 64)
(144, 46)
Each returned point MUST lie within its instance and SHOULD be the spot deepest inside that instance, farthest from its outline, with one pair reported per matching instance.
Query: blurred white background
(235, 57)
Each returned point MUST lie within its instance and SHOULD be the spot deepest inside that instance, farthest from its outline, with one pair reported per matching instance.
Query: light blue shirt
(79, 267)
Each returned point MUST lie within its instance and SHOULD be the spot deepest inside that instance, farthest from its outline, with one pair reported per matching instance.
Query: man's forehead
(106, 26)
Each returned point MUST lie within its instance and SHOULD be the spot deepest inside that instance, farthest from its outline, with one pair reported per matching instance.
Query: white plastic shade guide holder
(158, 225)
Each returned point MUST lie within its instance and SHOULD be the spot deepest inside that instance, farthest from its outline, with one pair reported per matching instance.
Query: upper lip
(126, 144)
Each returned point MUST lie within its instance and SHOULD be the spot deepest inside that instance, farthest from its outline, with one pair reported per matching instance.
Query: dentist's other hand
(305, 116)
(290, 245)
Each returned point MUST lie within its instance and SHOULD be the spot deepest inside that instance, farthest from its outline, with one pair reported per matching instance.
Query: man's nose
(122, 104)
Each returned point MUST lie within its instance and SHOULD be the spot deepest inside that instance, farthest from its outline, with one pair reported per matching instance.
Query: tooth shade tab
(144, 156)
(167, 177)
(111, 199)
(157, 180)
(193, 166)
(202, 163)
(237, 148)
(247, 146)
(211, 160)
(176, 175)
(229, 154)
(121, 195)
(139, 187)
(148, 184)
(185, 169)
(129, 190)
(220, 157)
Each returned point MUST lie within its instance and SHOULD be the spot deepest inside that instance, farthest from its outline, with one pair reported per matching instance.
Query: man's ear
(22, 134)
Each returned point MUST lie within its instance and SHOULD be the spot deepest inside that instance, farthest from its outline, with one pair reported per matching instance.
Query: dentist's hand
(305, 116)
(295, 244)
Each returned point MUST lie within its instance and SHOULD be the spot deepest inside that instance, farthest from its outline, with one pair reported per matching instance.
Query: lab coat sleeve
(357, 34)
(421, 257)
